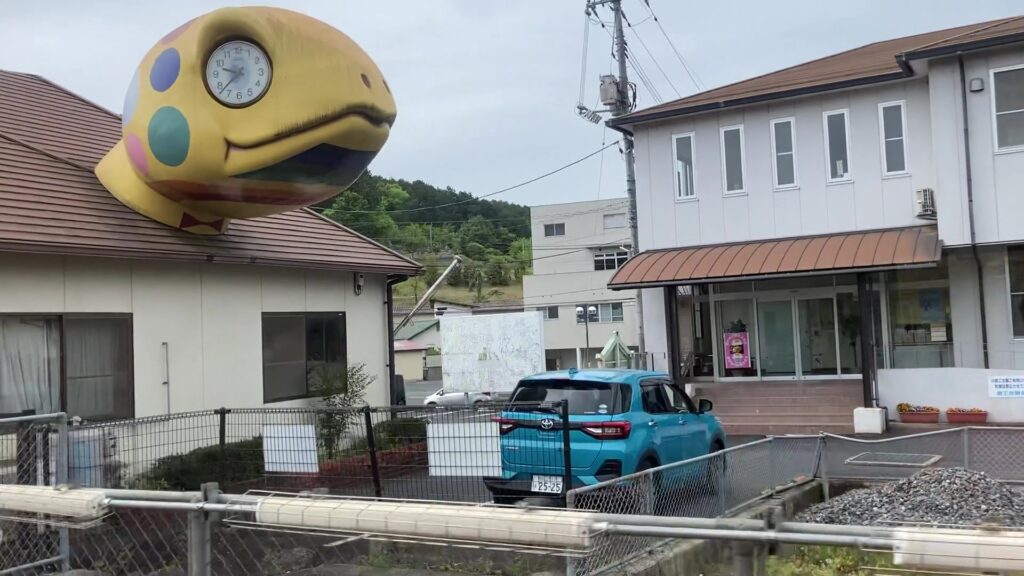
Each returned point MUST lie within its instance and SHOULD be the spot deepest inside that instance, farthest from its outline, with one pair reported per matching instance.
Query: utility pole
(623, 106)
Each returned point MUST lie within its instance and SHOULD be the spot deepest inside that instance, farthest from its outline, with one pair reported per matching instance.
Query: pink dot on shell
(176, 32)
(136, 153)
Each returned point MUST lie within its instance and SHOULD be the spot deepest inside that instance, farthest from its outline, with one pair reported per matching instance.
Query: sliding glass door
(817, 334)
(775, 327)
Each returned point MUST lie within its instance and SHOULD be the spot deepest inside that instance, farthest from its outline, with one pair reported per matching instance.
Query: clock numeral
(227, 53)
(220, 62)
(257, 83)
(250, 91)
(216, 73)
(238, 49)
(260, 71)
(257, 60)
(238, 95)
(220, 85)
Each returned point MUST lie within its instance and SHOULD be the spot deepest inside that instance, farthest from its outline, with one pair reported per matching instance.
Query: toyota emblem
(547, 424)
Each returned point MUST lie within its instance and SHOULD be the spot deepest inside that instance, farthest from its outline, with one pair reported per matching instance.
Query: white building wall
(996, 176)
(209, 315)
(869, 201)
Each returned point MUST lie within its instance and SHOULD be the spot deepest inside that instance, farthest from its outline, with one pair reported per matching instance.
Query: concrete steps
(759, 408)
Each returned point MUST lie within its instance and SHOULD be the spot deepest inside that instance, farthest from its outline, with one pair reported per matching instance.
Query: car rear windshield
(584, 397)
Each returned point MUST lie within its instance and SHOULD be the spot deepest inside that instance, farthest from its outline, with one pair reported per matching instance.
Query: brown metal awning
(849, 252)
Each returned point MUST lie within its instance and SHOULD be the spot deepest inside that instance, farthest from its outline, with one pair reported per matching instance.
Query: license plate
(547, 484)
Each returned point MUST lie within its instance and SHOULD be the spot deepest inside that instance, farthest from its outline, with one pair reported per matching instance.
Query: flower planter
(966, 417)
(919, 417)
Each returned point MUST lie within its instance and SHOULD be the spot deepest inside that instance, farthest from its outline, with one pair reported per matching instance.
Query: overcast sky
(486, 90)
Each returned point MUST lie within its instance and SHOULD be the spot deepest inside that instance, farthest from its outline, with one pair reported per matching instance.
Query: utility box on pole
(609, 91)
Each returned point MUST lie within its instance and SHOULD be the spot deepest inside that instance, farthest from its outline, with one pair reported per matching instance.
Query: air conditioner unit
(925, 200)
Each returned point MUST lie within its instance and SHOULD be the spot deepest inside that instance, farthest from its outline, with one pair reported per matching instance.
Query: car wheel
(647, 489)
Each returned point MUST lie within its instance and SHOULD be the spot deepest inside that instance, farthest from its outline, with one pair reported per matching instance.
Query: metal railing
(719, 484)
(439, 453)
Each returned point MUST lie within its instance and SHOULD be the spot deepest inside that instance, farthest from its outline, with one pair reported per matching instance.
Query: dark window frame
(1015, 253)
(63, 367)
(305, 347)
(610, 259)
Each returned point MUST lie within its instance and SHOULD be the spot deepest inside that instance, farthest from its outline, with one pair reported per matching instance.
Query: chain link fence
(33, 451)
(709, 486)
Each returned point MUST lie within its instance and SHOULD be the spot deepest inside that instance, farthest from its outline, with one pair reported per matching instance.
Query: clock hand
(233, 76)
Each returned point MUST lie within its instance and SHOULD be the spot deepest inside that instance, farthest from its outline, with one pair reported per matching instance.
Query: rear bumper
(519, 486)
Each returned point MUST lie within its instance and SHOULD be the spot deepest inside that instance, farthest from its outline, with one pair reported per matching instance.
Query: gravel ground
(935, 496)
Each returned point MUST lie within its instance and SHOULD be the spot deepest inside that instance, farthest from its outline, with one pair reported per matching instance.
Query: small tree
(341, 391)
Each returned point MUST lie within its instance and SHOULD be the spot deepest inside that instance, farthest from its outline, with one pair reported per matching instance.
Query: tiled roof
(877, 62)
(51, 202)
(850, 251)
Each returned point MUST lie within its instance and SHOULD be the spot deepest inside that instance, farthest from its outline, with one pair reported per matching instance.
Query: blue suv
(620, 422)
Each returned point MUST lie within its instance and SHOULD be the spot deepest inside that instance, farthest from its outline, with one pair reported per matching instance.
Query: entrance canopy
(915, 246)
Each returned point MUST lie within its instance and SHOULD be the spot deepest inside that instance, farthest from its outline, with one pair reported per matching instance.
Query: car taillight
(505, 425)
(607, 430)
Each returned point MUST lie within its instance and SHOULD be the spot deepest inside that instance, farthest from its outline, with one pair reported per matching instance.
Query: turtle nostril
(366, 79)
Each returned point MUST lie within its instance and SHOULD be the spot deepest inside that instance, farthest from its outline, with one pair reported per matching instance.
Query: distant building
(576, 249)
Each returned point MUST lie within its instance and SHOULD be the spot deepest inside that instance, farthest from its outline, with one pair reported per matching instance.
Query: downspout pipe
(970, 207)
(396, 397)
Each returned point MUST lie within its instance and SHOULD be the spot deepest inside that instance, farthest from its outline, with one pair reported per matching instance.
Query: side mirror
(440, 392)
(704, 405)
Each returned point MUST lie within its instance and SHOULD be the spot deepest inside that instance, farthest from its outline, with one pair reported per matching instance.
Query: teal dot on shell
(169, 136)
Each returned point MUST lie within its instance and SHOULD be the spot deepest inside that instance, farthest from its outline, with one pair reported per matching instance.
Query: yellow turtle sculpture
(245, 112)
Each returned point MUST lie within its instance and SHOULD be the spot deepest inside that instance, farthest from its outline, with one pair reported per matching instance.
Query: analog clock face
(238, 73)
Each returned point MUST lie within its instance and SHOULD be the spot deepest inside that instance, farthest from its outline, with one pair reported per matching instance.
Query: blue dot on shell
(169, 136)
(131, 98)
(165, 70)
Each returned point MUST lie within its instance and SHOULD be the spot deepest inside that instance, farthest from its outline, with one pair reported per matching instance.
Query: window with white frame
(605, 313)
(557, 229)
(892, 125)
(784, 153)
(682, 150)
(837, 145)
(1015, 271)
(732, 159)
(549, 312)
(1008, 107)
(612, 221)
(610, 260)
(609, 312)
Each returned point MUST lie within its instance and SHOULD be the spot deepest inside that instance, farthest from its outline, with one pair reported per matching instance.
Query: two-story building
(576, 249)
(845, 232)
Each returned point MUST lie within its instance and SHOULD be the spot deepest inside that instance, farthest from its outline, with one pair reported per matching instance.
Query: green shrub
(400, 431)
(242, 461)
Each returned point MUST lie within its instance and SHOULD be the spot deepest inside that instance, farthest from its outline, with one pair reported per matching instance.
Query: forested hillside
(431, 224)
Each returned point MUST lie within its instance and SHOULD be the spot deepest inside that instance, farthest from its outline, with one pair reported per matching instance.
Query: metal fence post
(967, 447)
(823, 459)
(772, 472)
(61, 477)
(222, 433)
(566, 451)
(199, 536)
(371, 448)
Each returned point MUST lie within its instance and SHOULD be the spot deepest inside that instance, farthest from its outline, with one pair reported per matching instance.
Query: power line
(468, 200)
(651, 54)
(689, 71)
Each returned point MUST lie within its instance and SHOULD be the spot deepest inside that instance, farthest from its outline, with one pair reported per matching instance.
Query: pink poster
(737, 350)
